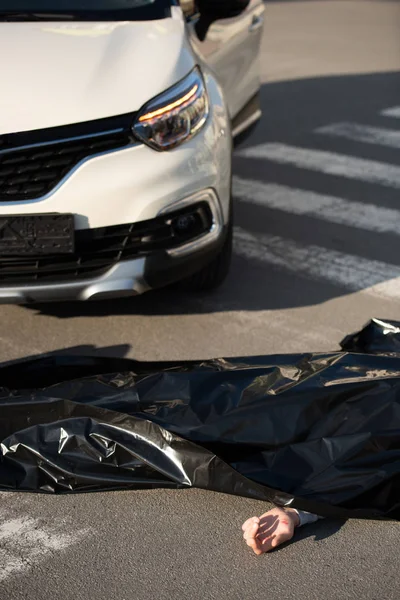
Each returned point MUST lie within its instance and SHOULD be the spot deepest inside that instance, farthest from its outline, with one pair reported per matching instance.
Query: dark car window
(47, 10)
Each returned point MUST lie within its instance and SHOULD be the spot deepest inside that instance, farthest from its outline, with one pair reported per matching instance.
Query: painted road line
(25, 541)
(391, 112)
(315, 262)
(327, 208)
(362, 133)
(327, 162)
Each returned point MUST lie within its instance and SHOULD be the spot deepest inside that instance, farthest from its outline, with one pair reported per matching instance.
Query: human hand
(270, 530)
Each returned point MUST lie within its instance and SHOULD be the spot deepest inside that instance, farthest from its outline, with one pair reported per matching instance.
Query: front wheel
(214, 274)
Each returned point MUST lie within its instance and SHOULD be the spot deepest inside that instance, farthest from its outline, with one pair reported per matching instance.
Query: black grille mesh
(33, 172)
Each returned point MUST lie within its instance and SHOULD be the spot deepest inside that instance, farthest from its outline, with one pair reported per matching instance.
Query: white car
(117, 121)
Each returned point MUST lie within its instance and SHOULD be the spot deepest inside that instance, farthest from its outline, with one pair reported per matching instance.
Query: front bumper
(124, 278)
(138, 275)
(127, 278)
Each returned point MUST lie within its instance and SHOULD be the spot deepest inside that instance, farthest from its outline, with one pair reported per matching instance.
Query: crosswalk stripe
(391, 112)
(330, 163)
(315, 262)
(363, 133)
(25, 541)
(327, 208)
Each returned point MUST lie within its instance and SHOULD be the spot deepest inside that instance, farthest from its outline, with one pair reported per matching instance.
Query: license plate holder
(37, 235)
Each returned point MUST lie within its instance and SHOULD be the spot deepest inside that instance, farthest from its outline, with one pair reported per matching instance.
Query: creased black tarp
(317, 431)
(377, 337)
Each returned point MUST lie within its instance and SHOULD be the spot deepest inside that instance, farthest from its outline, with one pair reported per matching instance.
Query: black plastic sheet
(320, 432)
(377, 337)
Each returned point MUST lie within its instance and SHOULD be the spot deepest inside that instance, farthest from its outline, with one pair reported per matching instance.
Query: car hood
(61, 73)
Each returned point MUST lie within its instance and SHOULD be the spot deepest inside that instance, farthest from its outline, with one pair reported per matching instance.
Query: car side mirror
(213, 10)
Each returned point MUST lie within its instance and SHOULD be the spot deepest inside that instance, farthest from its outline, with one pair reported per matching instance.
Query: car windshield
(113, 10)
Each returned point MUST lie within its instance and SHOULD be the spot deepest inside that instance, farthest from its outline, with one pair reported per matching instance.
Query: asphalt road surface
(317, 253)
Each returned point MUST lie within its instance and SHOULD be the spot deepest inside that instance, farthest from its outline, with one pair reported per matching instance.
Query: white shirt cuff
(306, 517)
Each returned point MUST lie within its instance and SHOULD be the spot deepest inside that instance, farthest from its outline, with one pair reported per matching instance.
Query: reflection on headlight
(175, 116)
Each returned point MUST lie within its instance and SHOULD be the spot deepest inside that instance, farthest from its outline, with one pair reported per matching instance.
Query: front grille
(32, 163)
(34, 172)
(97, 250)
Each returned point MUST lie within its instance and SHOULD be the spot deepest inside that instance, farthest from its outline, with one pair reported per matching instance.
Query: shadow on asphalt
(292, 110)
(321, 530)
(116, 351)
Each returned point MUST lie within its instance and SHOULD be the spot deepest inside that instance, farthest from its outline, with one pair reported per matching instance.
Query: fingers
(273, 541)
(267, 544)
(249, 522)
(275, 530)
(256, 549)
(254, 544)
(267, 532)
(268, 526)
(251, 532)
(280, 539)
(250, 535)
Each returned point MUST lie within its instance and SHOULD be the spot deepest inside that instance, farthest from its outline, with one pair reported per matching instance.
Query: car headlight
(175, 116)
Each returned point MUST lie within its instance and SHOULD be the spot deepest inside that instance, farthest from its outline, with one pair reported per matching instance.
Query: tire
(214, 274)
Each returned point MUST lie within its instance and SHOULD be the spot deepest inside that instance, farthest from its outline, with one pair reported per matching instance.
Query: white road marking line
(391, 112)
(315, 262)
(327, 162)
(327, 208)
(25, 541)
(362, 133)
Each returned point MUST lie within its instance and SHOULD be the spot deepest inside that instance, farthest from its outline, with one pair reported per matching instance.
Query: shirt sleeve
(306, 517)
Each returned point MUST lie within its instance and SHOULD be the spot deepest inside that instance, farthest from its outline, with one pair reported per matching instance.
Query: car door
(231, 49)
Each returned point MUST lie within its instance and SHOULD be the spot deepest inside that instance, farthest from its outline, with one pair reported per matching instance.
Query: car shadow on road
(292, 111)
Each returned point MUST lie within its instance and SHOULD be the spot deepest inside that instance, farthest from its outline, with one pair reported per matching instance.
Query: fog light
(191, 223)
(184, 223)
